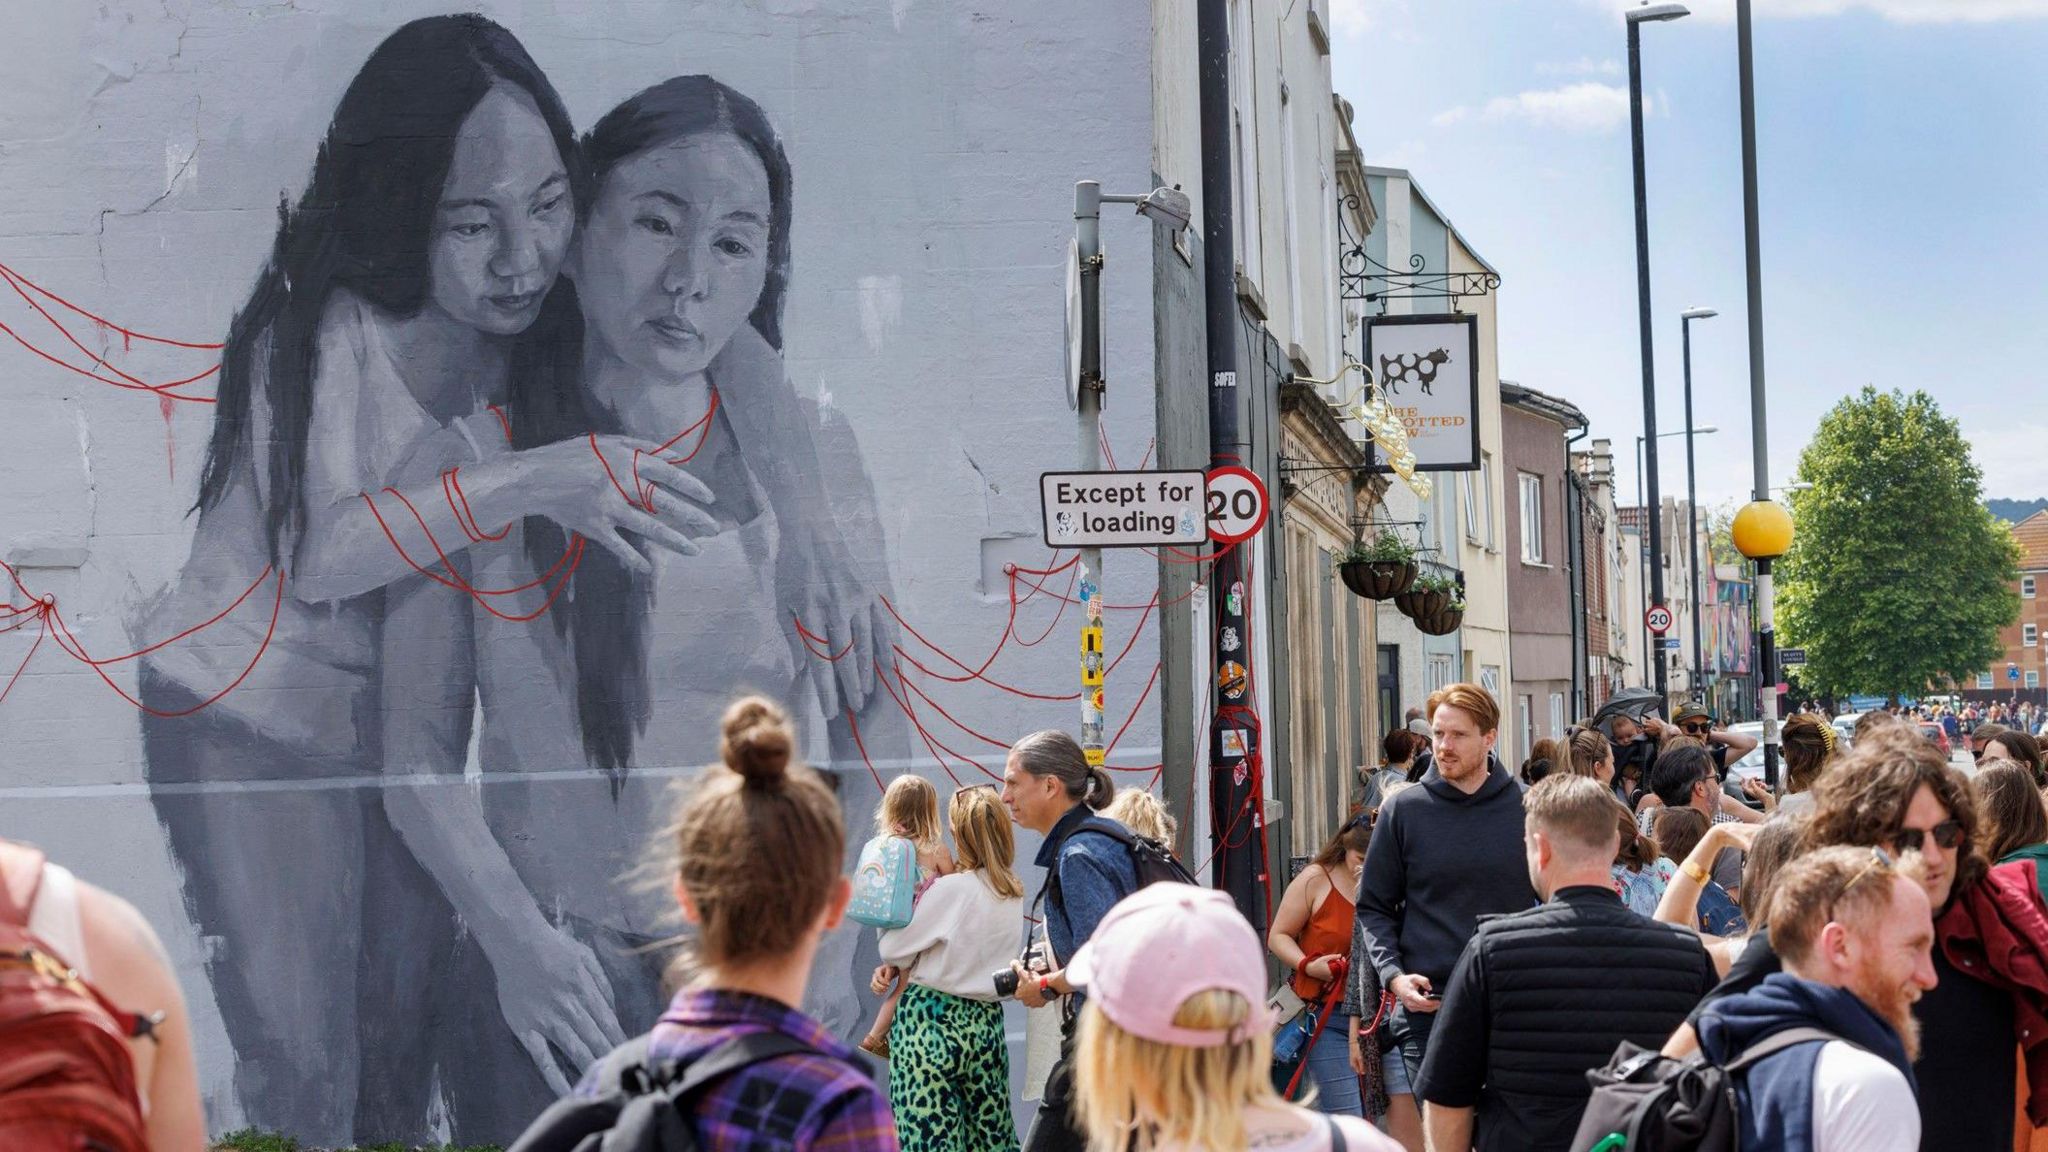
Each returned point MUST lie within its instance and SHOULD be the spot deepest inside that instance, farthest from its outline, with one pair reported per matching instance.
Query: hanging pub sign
(1427, 368)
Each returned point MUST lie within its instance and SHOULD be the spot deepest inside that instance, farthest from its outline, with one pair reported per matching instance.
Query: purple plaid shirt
(801, 1103)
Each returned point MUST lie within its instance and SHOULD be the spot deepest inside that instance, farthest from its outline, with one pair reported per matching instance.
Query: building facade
(909, 177)
(1536, 467)
(2024, 671)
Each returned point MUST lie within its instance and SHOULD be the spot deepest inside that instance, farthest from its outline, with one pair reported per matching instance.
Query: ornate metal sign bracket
(1360, 277)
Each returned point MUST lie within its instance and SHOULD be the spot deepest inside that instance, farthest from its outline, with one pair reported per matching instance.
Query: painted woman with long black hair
(681, 267)
(412, 284)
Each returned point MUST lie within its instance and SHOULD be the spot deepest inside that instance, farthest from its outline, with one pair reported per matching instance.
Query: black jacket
(1543, 996)
(1440, 860)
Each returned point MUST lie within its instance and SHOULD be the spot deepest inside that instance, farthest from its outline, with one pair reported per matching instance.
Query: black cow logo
(1413, 367)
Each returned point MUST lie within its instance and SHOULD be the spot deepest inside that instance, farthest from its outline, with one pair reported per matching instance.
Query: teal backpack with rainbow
(884, 883)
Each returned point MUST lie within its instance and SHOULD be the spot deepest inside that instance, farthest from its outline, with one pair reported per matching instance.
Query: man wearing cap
(1505, 1070)
(1724, 745)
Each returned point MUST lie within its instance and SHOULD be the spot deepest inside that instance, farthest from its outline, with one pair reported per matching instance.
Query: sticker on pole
(1658, 619)
(1121, 509)
(1237, 504)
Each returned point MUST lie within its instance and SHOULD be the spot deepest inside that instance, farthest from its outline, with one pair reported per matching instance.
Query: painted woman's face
(675, 253)
(505, 219)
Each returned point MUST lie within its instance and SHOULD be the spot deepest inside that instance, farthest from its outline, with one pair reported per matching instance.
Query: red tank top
(1328, 933)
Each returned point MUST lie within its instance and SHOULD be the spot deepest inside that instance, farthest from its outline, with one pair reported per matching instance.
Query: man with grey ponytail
(1051, 789)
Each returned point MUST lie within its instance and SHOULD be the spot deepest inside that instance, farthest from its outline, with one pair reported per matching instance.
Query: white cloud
(1583, 66)
(1897, 11)
(1350, 18)
(1585, 107)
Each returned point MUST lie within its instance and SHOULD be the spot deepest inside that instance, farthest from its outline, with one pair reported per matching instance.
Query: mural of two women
(509, 411)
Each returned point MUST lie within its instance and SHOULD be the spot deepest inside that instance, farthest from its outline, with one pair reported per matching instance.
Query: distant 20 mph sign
(1123, 509)
(1658, 619)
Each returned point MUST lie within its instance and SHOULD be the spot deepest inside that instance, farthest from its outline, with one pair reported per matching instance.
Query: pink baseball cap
(1161, 946)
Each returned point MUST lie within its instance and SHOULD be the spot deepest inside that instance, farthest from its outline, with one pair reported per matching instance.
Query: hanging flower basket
(1377, 579)
(1442, 623)
(1420, 603)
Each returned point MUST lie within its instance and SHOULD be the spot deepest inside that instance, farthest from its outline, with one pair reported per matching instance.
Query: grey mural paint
(665, 530)
(393, 863)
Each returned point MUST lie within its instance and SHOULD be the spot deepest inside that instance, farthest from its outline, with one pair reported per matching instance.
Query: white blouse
(961, 935)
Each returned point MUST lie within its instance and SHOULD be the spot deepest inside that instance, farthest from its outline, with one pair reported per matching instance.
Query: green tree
(1899, 578)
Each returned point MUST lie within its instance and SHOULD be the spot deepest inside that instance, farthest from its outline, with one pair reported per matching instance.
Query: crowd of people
(1464, 964)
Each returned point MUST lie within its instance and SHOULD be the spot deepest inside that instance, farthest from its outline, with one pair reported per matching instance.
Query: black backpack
(643, 1107)
(1646, 1102)
(1153, 861)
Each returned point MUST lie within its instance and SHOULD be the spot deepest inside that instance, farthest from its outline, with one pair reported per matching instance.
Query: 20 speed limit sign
(1658, 618)
(1237, 504)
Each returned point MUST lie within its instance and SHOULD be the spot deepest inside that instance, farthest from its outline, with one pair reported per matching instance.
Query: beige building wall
(1482, 540)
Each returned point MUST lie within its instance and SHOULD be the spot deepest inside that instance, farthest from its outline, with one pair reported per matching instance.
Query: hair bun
(755, 741)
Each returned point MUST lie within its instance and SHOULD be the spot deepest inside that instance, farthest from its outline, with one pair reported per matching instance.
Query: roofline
(1404, 174)
(1543, 404)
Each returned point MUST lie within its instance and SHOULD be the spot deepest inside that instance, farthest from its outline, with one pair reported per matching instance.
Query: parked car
(1845, 728)
(1936, 735)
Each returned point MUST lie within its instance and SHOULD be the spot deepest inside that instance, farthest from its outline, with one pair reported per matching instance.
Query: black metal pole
(1752, 246)
(1692, 513)
(1655, 525)
(1237, 824)
(1643, 542)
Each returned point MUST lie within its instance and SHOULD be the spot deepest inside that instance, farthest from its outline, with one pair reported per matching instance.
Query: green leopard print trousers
(949, 1074)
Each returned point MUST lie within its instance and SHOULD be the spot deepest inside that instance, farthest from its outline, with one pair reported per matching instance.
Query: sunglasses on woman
(1947, 834)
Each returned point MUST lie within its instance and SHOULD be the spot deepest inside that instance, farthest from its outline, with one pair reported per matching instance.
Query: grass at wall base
(250, 1140)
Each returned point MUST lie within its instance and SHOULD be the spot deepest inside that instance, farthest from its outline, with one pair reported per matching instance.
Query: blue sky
(1903, 153)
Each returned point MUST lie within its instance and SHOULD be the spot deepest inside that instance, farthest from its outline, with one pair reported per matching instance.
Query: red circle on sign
(1658, 619)
(1236, 510)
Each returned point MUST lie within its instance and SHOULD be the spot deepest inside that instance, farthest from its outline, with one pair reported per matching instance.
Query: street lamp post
(1692, 500)
(1651, 653)
(1752, 248)
(1635, 19)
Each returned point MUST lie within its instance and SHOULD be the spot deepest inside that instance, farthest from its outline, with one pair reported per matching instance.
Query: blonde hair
(760, 805)
(981, 833)
(1143, 813)
(1133, 1093)
(910, 809)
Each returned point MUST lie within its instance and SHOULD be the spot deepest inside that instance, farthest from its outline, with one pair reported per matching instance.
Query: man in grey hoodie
(1442, 856)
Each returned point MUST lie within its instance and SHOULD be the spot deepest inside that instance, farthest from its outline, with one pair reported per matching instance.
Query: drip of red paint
(163, 404)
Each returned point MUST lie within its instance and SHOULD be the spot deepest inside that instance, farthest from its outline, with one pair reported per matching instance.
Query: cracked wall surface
(144, 151)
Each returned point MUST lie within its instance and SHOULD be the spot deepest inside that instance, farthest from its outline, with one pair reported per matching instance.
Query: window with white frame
(1984, 683)
(1244, 170)
(1556, 714)
(2033, 678)
(2027, 587)
(1441, 674)
(1479, 503)
(1532, 517)
(2029, 635)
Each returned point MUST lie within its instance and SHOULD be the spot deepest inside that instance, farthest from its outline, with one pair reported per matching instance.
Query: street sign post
(1122, 509)
(1788, 656)
(1236, 504)
(1658, 619)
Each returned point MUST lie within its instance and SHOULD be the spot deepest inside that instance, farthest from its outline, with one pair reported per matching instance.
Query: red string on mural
(571, 556)
(23, 287)
(451, 487)
(853, 724)
(102, 321)
(54, 628)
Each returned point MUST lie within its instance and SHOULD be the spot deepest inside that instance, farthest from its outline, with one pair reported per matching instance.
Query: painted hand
(604, 496)
(850, 629)
(557, 1001)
